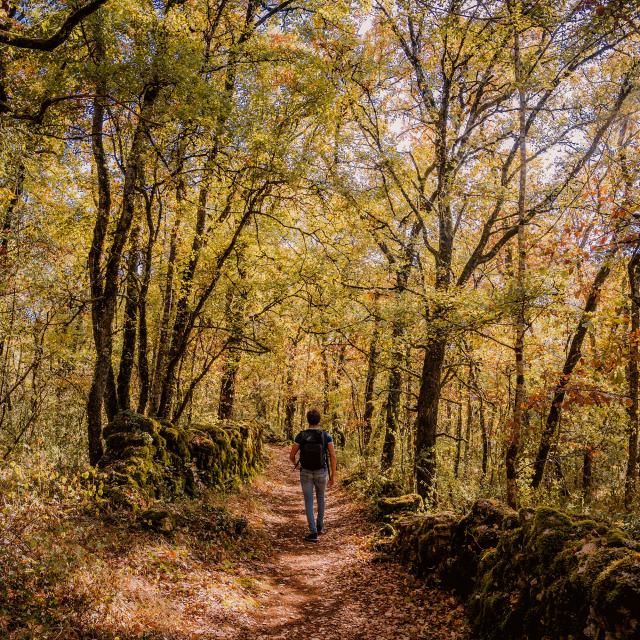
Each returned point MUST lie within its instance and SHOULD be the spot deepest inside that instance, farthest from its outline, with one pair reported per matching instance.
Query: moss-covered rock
(536, 574)
(475, 534)
(146, 459)
(616, 598)
(393, 506)
(424, 542)
(158, 519)
(388, 487)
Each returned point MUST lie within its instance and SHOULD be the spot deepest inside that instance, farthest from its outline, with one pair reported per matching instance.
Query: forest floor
(122, 583)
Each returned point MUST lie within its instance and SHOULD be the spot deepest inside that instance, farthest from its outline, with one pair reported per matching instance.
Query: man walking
(315, 446)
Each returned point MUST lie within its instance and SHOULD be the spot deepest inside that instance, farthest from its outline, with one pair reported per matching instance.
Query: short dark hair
(313, 417)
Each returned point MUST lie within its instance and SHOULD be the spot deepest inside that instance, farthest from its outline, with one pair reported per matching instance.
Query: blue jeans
(310, 480)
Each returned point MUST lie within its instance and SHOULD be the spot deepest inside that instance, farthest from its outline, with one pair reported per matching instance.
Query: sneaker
(321, 530)
(312, 537)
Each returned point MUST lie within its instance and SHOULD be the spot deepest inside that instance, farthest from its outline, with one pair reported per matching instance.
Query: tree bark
(469, 424)
(8, 218)
(392, 409)
(339, 435)
(144, 376)
(435, 351)
(485, 436)
(130, 322)
(326, 382)
(103, 211)
(427, 419)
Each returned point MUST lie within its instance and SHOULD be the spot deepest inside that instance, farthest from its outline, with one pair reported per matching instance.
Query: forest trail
(335, 590)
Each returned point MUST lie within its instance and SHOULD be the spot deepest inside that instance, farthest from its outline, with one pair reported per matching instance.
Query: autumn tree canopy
(419, 217)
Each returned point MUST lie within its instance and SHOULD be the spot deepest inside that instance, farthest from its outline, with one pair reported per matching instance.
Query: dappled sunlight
(135, 585)
(411, 225)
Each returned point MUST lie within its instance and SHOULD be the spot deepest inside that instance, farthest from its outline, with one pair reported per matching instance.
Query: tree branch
(53, 41)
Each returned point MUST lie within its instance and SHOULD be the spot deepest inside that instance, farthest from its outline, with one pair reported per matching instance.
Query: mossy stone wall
(147, 459)
(532, 574)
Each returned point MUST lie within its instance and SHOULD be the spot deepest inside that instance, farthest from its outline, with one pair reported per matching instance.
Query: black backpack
(313, 449)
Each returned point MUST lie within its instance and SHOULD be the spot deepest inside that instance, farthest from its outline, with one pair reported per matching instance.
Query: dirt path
(128, 584)
(335, 590)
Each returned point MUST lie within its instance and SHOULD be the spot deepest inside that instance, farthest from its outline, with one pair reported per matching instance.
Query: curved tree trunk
(572, 359)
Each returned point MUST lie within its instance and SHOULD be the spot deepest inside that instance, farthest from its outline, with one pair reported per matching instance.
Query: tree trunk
(468, 427)
(394, 386)
(456, 464)
(228, 383)
(8, 218)
(392, 409)
(289, 414)
(144, 376)
(235, 310)
(167, 308)
(130, 323)
(427, 418)
(7, 225)
(372, 368)
(513, 446)
(572, 359)
(326, 382)
(633, 271)
(105, 303)
(338, 432)
(103, 210)
(485, 437)
(291, 399)
(436, 347)
(111, 407)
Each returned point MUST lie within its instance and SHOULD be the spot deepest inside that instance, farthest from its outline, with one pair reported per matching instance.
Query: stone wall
(532, 574)
(147, 459)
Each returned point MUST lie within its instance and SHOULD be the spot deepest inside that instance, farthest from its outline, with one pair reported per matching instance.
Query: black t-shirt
(304, 435)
